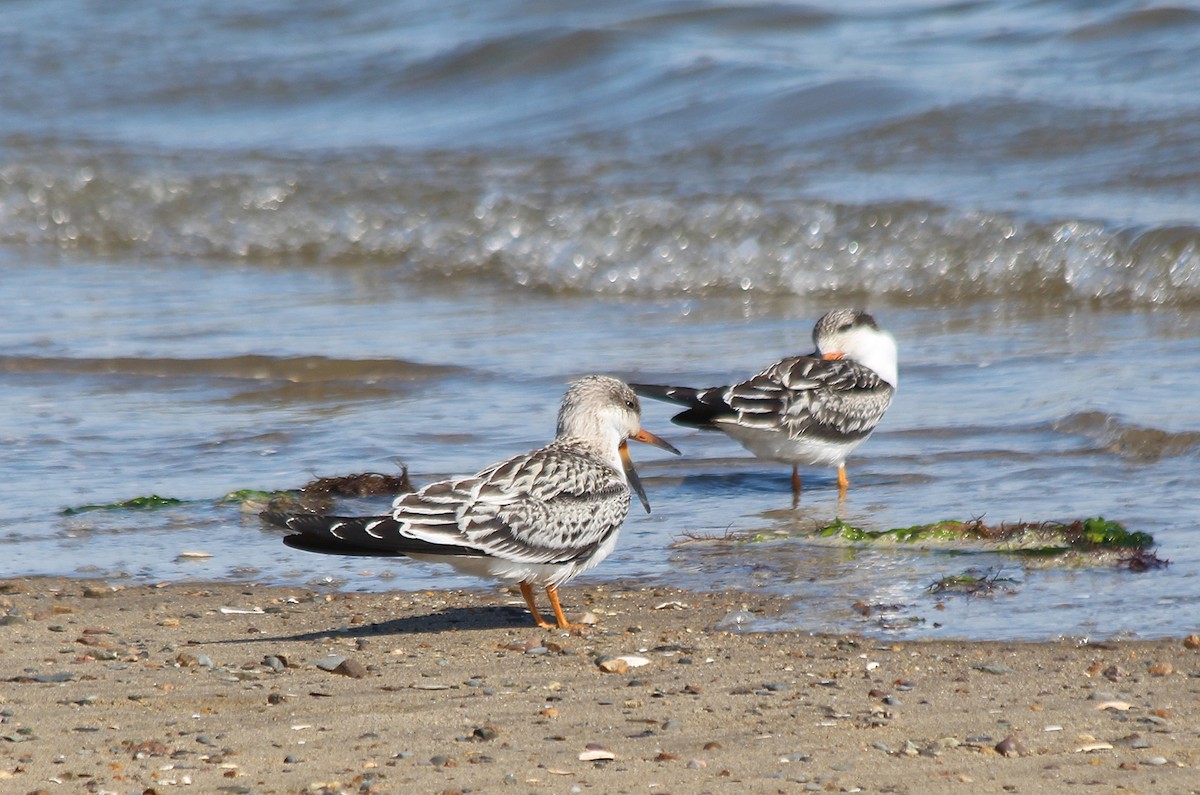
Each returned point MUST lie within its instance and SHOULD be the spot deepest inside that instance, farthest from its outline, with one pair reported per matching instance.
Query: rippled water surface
(246, 244)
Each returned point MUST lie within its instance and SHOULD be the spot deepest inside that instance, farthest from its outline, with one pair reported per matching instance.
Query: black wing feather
(705, 406)
(349, 535)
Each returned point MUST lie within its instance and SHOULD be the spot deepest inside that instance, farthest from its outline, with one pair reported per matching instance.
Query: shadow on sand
(451, 618)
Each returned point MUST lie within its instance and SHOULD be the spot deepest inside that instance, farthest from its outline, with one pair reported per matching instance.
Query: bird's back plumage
(798, 396)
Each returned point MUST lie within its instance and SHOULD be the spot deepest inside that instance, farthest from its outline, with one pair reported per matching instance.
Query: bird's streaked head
(606, 413)
(854, 334)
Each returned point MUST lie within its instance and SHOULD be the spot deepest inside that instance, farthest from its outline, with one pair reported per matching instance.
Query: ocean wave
(1139, 21)
(293, 369)
(554, 225)
(1129, 440)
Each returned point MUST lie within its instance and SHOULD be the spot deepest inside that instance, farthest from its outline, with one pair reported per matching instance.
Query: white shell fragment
(1085, 749)
(596, 755)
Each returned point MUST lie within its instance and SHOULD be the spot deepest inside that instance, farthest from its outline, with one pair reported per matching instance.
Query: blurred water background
(242, 244)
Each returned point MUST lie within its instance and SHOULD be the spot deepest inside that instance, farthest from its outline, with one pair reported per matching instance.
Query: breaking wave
(553, 226)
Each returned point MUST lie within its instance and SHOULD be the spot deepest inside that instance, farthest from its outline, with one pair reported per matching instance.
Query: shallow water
(243, 246)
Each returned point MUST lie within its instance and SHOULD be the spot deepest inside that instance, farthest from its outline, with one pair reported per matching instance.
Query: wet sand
(208, 687)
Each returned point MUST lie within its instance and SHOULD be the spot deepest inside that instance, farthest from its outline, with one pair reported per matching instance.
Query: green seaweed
(1111, 535)
(137, 504)
(943, 531)
(1044, 538)
(253, 495)
(1088, 541)
(318, 495)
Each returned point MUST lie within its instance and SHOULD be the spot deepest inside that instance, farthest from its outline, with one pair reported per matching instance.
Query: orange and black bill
(631, 474)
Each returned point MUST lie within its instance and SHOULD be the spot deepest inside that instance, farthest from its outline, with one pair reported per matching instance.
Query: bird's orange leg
(796, 481)
(552, 592)
(843, 481)
(527, 593)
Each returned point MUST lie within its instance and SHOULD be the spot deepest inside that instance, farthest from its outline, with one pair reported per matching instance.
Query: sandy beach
(242, 689)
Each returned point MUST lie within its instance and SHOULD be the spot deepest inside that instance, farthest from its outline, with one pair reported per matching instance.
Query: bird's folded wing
(548, 506)
(807, 395)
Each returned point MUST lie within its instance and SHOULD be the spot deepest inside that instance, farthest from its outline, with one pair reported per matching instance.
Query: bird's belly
(806, 451)
(497, 569)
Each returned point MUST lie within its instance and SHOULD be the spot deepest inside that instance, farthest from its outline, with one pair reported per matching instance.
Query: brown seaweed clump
(367, 484)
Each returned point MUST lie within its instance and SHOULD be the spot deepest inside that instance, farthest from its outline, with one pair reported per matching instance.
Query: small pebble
(329, 662)
(612, 665)
(54, 678)
(521, 645)
(1010, 746)
(1156, 760)
(351, 668)
(997, 670)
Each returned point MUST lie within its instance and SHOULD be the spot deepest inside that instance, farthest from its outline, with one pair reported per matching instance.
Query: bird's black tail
(360, 536)
(338, 535)
(704, 406)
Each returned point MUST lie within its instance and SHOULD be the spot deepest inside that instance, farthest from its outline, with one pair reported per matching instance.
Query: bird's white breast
(774, 445)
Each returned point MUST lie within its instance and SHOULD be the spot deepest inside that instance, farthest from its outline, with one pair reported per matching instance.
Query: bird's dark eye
(845, 327)
(630, 404)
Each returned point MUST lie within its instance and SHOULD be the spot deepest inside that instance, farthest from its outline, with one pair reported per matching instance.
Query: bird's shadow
(447, 619)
